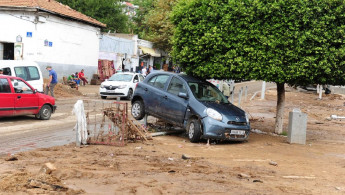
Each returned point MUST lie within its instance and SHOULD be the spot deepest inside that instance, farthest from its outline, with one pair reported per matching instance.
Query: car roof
(183, 76)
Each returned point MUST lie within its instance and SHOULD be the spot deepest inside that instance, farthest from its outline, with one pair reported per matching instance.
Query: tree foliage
(153, 22)
(283, 41)
(108, 12)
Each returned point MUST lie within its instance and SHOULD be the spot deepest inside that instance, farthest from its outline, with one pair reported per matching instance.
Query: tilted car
(191, 103)
(120, 85)
(17, 97)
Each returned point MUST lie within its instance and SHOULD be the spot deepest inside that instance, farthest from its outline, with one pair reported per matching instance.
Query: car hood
(229, 111)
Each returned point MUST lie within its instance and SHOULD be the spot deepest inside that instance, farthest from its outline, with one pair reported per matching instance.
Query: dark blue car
(191, 103)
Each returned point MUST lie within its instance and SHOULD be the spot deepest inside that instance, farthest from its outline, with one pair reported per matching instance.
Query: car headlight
(214, 114)
(122, 86)
(247, 118)
(102, 85)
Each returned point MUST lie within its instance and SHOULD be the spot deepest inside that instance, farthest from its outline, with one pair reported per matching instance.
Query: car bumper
(115, 93)
(214, 129)
(54, 108)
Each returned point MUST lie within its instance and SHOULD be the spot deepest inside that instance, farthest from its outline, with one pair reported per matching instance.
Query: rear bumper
(218, 130)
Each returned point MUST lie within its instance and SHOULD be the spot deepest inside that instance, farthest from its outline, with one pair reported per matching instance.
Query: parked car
(191, 103)
(120, 85)
(17, 97)
(27, 70)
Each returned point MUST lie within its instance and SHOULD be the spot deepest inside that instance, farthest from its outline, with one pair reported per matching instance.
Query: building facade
(49, 33)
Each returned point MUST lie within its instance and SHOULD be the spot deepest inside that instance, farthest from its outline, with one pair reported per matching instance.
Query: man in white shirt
(144, 71)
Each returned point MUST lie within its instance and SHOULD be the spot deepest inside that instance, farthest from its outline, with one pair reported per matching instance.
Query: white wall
(75, 44)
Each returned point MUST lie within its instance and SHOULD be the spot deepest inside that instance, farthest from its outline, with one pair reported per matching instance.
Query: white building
(50, 34)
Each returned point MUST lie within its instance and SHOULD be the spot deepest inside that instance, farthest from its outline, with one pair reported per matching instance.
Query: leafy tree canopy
(283, 41)
(108, 12)
(152, 22)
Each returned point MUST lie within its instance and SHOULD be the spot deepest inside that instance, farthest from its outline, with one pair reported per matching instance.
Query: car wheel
(138, 110)
(130, 94)
(194, 130)
(104, 97)
(45, 112)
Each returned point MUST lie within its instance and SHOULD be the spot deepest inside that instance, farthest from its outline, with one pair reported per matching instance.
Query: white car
(120, 85)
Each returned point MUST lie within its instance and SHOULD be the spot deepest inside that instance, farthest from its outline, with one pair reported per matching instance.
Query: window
(158, 81)
(141, 78)
(136, 78)
(176, 86)
(33, 73)
(7, 71)
(4, 86)
(207, 92)
(20, 87)
(28, 73)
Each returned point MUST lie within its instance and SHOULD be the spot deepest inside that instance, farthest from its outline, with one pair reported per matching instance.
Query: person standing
(52, 81)
(144, 71)
(82, 77)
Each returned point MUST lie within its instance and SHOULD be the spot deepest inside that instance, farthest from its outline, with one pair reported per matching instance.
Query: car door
(154, 93)
(173, 106)
(26, 100)
(6, 98)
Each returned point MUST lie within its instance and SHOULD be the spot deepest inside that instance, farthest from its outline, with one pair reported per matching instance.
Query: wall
(75, 45)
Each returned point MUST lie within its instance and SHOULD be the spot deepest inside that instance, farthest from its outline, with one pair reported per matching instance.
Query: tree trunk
(280, 108)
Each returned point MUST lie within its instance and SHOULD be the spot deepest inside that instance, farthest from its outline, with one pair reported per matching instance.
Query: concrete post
(297, 127)
(232, 94)
(240, 97)
(320, 91)
(263, 89)
(245, 93)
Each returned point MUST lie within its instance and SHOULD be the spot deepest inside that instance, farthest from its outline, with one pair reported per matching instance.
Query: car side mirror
(183, 95)
(35, 91)
(106, 79)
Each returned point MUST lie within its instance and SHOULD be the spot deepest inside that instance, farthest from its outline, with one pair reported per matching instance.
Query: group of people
(145, 71)
(76, 78)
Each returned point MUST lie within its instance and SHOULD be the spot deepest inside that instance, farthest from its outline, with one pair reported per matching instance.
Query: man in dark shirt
(52, 81)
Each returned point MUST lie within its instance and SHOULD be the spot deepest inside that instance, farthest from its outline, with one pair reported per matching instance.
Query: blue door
(174, 107)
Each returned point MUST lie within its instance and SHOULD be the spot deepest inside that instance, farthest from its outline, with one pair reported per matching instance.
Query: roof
(53, 7)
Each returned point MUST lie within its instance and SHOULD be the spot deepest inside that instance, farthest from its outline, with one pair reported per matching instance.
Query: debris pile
(114, 127)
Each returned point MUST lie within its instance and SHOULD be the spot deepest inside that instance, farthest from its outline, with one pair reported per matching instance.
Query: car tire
(138, 111)
(104, 97)
(194, 130)
(130, 94)
(45, 112)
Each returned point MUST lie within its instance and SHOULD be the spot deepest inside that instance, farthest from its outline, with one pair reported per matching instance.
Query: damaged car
(193, 104)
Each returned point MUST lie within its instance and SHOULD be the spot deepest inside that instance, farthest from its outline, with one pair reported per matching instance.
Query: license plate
(237, 132)
(110, 91)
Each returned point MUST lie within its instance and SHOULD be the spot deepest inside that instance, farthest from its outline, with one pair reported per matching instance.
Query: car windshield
(206, 92)
(121, 77)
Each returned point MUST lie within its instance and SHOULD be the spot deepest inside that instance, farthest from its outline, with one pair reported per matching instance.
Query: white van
(27, 70)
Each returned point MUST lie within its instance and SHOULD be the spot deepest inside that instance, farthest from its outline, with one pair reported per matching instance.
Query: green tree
(159, 23)
(152, 22)
(108, 12)
(294, 42)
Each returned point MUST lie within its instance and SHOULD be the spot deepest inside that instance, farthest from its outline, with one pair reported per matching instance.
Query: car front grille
(112, 87)
(237, 123)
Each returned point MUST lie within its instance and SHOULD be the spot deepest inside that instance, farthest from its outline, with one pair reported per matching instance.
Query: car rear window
(27, 73)
(4, 86)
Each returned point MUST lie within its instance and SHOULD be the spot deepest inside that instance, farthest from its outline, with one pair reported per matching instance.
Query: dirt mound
(62, 90)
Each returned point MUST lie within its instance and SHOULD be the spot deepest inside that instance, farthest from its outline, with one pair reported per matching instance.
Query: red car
(17, 97)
